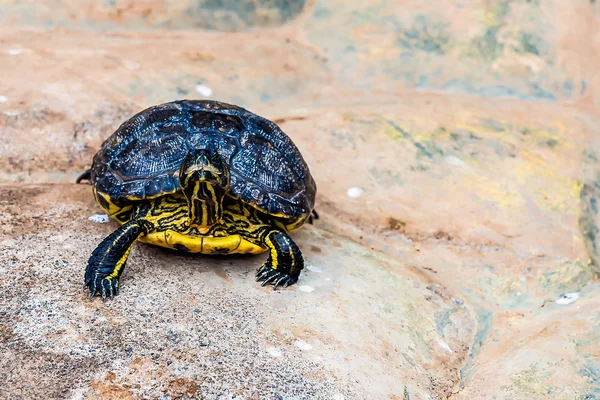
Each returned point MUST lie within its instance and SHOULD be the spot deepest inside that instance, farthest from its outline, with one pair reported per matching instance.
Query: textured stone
(201, 326)
(468, 128)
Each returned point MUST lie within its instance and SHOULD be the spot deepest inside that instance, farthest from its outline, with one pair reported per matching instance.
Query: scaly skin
(164, 221)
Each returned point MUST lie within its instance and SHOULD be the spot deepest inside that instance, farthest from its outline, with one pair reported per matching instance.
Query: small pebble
(444, 346)
(204, 90)
(302, 345)
(3, 99)
(274, 352)
(452, 160)
(355, 192)
(459, 302)
(567, 298)
(196, 310)
(99, 218)
(306, 288)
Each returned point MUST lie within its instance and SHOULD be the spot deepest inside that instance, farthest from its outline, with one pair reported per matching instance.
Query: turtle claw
(265, 267)
(106, 287)
(111, 290)
(263, 272)
(268, 275)
(271, 278)
(92, 292)
(278, 281)
(262, 276)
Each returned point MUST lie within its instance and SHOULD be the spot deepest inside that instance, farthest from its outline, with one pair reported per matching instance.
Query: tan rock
(356, 324)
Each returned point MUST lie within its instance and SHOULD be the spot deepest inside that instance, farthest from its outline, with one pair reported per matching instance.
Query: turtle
(200, 176)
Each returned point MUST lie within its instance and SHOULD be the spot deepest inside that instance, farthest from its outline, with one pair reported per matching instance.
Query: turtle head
(204, 179)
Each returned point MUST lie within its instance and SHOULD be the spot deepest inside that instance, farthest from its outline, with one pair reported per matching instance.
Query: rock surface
(455, 147)
(187, 326)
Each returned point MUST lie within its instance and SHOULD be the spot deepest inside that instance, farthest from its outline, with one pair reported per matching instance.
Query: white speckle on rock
(99, 218)
(3, 99)
(14, 52)
(302, 345)
(8, 243)
(459, 302)
(445, 346)
(355, 192)
(275, 352)
(567, 298)
(131, 65)
(312, 268)
(452, 160)
(78, 394)
(204, 90)
(337, 396)
(306, 288)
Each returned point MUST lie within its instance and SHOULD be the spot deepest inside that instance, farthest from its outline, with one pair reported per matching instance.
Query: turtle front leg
(107, 262)
(284, 263)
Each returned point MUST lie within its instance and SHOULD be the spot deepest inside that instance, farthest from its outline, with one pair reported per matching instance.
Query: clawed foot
(272, 276)
(107, 262)
(105, 286)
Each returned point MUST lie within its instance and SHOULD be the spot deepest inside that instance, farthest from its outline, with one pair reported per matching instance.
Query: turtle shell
(141, 159)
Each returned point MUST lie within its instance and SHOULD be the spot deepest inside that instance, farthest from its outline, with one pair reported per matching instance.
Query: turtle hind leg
(86, 176)
(107, 262)
(284, 263)
(314, 215)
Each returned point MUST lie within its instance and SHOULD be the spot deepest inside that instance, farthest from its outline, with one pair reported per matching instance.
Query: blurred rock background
(463, 265)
